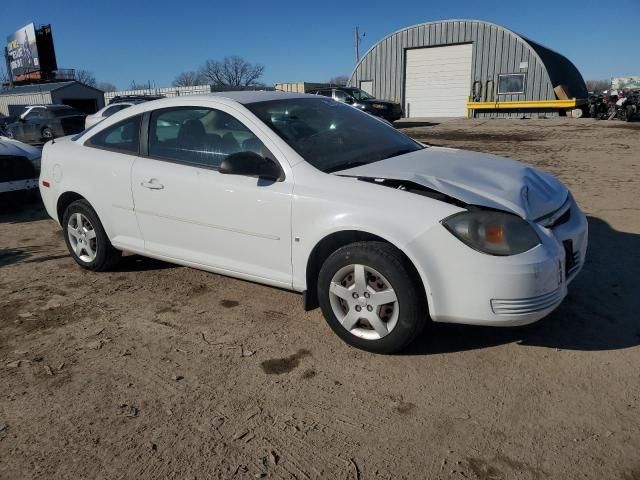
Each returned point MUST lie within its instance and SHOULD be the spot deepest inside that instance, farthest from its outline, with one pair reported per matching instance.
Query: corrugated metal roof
(496, 50)
(36, 88)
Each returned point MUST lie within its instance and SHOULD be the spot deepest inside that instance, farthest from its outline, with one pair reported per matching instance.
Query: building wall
(496, 50)
(39, 98)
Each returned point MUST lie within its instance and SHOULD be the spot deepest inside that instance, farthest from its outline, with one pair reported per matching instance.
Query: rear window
(64, 112)
(121, 137)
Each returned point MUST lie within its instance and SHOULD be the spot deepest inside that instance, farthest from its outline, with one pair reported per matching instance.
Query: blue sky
(121, 41)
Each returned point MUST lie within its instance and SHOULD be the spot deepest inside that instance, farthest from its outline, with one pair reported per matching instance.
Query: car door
(188, 210)
(32, 125)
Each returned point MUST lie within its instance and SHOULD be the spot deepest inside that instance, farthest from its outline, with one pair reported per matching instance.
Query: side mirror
(250, 164)
(349, 100)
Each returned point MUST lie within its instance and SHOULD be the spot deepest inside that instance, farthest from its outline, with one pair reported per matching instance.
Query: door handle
(152, 185)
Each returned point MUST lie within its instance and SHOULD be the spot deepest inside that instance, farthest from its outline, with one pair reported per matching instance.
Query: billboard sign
(23, 51)
(624, 83)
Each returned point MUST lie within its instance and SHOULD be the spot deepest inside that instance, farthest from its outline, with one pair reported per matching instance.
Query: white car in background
(306, 193)
(19, 166)
(106, 112)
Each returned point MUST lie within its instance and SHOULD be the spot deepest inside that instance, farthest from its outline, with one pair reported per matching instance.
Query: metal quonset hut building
(469, 67)
(75, 94)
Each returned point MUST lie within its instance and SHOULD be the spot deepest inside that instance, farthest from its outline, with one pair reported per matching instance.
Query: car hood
(473, 178)
(9, 146)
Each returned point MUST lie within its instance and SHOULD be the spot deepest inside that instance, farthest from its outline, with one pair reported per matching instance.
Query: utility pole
(356, 40)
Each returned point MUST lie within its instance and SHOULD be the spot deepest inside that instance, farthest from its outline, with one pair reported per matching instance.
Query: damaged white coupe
(308, 194)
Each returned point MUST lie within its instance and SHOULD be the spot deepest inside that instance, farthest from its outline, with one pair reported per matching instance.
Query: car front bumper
(466, 286)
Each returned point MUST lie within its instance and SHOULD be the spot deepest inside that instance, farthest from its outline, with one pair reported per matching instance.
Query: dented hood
(473, 178)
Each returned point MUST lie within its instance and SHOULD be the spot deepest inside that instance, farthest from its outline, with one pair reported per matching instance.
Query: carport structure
(454, 68)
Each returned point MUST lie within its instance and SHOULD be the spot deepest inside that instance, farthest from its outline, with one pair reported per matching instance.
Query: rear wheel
(86, 239)
(47, 134)
(371, 297)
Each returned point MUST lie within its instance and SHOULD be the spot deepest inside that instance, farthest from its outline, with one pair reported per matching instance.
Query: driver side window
(199, 136)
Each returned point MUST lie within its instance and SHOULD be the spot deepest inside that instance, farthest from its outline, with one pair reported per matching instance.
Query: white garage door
(438, 81)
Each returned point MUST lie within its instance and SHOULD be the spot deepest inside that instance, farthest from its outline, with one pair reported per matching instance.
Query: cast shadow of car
(138, 263)
(601, 312)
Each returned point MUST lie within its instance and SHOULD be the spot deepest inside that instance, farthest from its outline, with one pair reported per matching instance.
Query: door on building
(438, 81)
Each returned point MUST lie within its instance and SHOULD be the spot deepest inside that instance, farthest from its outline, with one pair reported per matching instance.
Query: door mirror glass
(251, 164)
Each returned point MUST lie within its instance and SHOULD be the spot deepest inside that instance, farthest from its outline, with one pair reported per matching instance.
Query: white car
(305, 193)
(19, 166)
(100, 115)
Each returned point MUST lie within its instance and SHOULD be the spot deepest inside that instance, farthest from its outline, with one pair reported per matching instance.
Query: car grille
(572, 259)
(523, 306)
(14, 168)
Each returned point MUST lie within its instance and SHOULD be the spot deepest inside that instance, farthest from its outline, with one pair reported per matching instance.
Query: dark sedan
(41, 124)
(360, 99)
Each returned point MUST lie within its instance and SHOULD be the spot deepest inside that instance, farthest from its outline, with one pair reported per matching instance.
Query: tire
(629, 113)
(86, 239)
(386, 272)
(47, 134)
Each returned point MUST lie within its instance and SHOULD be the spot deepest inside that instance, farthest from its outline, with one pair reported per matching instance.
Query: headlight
(379, 106)
(492, 232)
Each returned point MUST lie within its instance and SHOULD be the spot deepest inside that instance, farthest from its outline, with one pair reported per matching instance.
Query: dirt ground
(157, 371)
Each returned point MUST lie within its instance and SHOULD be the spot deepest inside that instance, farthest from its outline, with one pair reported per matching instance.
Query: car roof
(253, 96)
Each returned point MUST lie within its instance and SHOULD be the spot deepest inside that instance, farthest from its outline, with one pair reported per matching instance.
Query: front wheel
(86, 239)
(371, 297)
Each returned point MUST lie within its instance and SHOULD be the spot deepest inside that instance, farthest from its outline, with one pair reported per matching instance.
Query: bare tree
(598, 85)
(188, 79)
(86, 77)
(232, 71)
(339, 80)
(107, 87)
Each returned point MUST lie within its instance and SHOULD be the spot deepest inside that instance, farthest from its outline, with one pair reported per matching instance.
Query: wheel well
(64, 201)
(330, 244)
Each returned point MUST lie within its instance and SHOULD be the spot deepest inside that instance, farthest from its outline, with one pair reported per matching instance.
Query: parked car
(308, 194)
(19, 166)
(118, 103)
(105, 112)
(357, 98)
(40, 123)
(6, 120)
(135, 98)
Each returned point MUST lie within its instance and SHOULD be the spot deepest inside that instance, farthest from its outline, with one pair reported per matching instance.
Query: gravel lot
(157, 371)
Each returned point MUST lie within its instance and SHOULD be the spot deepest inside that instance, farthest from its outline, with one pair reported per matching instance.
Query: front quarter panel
(324, 204)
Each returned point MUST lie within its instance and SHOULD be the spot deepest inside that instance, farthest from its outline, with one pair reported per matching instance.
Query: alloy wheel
(82, 237)
(364, 302)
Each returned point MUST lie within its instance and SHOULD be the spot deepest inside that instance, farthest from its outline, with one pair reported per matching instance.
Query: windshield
(330, 135)
(360, 94)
